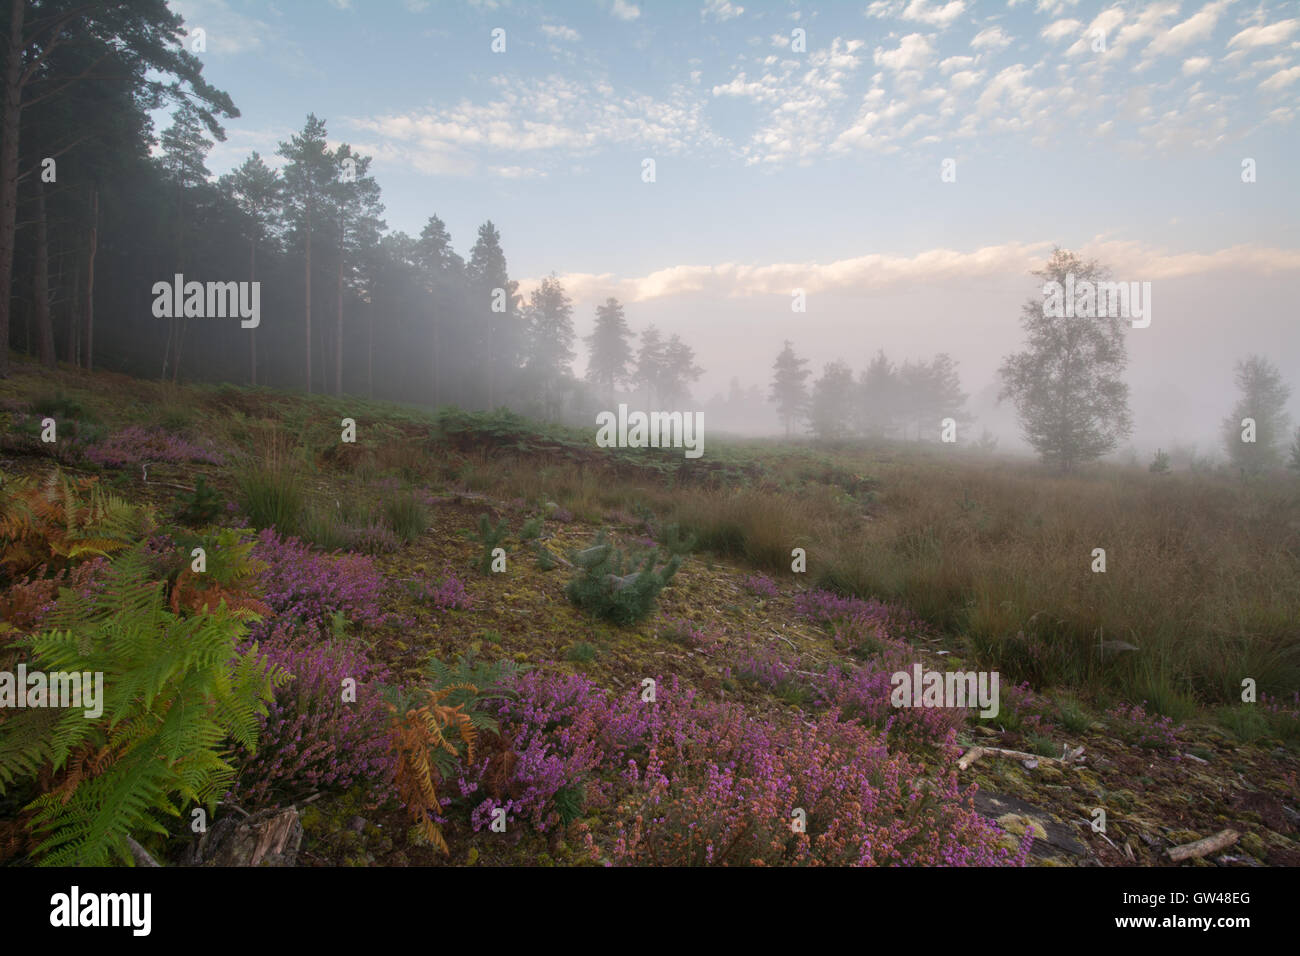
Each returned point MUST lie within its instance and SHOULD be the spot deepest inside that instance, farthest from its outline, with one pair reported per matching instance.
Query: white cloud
(1196, 64)
(625, 11)
(1281, 79)
(1199, 26)
(990, 38)
(1264, 36)
(560, 32)
(875, 273)
(1060, 29)
(914, 53)
(720, 10)
(939, 14)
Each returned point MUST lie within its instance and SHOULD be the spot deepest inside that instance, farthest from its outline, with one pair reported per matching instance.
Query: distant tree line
(345, 304)
(883, 401)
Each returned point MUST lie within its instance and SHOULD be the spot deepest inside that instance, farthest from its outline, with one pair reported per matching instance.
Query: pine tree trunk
(338, 332)
(252, 333)
(41, 282)
(90, 281)
(10, 115)
(308, 295)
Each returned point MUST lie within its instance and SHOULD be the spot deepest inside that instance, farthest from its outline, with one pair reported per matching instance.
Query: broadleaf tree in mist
(1066, 384)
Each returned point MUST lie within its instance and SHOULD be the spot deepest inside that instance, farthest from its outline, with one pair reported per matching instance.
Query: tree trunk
(252, 333)
(74, 320)
(10, 113)
(41, 282)
(90, 281)
(338, 332)
(308, 296)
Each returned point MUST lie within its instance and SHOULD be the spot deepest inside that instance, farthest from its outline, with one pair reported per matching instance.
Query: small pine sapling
(603, 586)
(490, 537)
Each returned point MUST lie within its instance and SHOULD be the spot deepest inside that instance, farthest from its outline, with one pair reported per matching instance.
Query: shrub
(310, 587)
(761, 585)
(602, 586)
(444, 593)
(135, 445)
(718, 787)
(311, 739)
(200, 507)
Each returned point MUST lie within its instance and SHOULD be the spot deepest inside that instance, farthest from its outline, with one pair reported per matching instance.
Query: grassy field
(957, 559)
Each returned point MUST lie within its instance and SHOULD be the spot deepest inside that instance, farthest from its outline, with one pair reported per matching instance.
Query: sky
(802, 146)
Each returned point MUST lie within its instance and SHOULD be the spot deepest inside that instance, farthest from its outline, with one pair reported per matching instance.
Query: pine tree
(677, 372)
(550, 336)
(356, 207)
(831, 409)
(307, 180)
(256, 189)
(879, 398)
(788, 389)
(1067, 385)
(610, 362)
(1263, 399)
(442, 271)
(498, 337)
(650, 360)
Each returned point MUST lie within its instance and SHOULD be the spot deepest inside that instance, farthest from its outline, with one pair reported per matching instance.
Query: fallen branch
(1211, 844)
(970, 756)
(141, 855)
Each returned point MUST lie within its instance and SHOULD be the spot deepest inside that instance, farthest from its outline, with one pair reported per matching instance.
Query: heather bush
(445, 593)
(710, 783)
(718, 787)
(761, 585)
(313, 738)
(136, 445)
(1137, 727)
(304, 585)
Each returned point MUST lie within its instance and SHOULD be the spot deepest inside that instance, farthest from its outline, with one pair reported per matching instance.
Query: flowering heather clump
(710, 783)
(301, 584)
(562, 515)
(376, 538)
(1147, 730)
(766, 669)
(562, 729)
(311, 739)
(864, 627)
(680, 631)
(863, 693)
(135, 445)
(761, 585)
(718, 787)
(446, 593)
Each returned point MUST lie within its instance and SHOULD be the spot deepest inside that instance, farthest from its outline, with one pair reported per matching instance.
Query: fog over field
(821, 170)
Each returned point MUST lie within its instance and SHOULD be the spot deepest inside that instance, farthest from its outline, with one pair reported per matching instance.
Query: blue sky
(818, 169)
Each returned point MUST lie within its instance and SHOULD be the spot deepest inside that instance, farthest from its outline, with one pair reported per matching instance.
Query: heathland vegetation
(493, 638)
